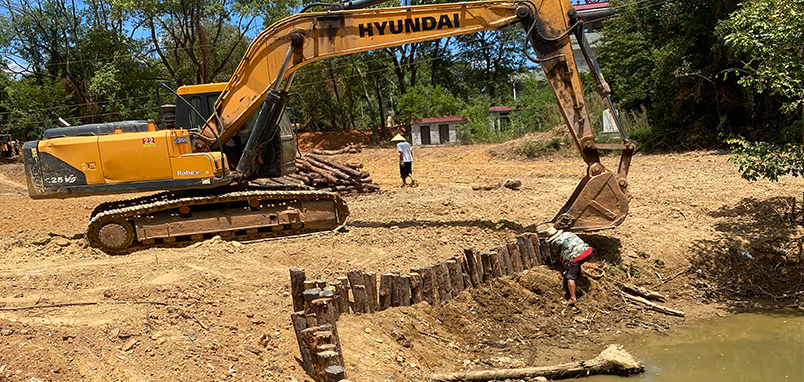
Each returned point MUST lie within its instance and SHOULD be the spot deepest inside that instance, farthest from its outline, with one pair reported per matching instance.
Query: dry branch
(640, 291)
(653, 305)
(65, 304)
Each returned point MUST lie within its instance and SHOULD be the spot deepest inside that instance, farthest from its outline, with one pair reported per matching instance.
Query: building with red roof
(436, 131)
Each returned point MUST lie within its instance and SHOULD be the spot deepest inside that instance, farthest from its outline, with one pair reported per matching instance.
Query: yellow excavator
(217, 138)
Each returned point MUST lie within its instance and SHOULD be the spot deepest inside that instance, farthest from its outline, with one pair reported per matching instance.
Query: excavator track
(176, 220)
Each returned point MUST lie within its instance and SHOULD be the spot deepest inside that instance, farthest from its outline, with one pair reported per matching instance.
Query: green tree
(423, 101)
(666, 56)
(200, 41)
(34, 106)
(56, 43)
(768, 37)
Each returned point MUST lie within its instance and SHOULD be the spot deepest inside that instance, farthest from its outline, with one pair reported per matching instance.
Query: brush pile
(327, 175)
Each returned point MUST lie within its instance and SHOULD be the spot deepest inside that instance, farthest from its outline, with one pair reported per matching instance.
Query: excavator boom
(601, 199)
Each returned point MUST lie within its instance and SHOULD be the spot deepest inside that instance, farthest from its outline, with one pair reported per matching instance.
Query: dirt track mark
(16, 186)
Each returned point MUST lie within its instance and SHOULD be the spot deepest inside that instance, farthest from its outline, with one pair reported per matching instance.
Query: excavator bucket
(599, 202)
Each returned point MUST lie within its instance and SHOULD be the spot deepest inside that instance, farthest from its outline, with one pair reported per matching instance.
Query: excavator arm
(601, 199)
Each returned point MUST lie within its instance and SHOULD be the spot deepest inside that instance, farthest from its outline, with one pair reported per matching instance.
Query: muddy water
(743, 347)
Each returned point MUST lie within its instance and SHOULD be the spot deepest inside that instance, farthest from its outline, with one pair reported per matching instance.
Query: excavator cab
(196, 104)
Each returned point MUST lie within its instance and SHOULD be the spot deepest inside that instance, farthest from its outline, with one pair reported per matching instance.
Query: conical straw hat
(398, 138)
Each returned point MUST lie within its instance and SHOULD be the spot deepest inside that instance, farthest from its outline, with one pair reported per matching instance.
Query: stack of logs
(434, 284)
(328, 175)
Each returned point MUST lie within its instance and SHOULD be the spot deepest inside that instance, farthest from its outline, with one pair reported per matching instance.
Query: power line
(418, 61)
(146, 55)
(630, 10)
(382, 58)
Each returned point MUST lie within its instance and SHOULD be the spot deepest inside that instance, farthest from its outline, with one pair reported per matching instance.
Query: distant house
(500, 117)
(435, 131)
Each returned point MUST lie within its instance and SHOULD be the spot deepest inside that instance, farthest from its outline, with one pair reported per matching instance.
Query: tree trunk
(374, 132)
(612, 360)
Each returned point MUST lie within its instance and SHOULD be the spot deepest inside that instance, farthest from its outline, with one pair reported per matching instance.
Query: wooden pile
(314, 321)
(328, 175)
(434, 284)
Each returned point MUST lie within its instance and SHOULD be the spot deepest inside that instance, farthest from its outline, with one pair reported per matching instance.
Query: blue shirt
(404, 148)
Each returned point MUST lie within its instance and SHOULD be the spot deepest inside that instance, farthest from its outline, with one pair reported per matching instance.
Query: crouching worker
(573, 252)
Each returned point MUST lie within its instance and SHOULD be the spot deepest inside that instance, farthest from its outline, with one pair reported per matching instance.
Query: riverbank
(691, 222)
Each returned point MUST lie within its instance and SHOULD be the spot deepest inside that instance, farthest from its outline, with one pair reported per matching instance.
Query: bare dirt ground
(187, 314)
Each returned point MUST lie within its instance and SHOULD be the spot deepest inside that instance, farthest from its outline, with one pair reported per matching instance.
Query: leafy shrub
(766, 160)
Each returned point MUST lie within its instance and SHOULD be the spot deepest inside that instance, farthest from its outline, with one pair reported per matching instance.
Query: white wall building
(500, 117)
(436, 131)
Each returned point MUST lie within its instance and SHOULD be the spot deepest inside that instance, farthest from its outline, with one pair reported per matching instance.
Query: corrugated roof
(454, 118)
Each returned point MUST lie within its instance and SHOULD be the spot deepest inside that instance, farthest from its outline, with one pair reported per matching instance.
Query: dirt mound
(12, 178)
(530, 145)
(332, 140)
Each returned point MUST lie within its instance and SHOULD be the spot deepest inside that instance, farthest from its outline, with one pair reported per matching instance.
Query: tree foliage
(765, 160)
(768, 37)
(423, 101)
(30, 101)
(664, 55)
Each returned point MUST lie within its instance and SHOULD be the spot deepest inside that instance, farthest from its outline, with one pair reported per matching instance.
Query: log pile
(327, 175)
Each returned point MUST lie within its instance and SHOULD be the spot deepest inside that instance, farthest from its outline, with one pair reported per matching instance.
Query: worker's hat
(398, 138)
(547, 230)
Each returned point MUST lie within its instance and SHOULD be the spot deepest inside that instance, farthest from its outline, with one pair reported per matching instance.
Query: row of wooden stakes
(328, 175)
(434, 284)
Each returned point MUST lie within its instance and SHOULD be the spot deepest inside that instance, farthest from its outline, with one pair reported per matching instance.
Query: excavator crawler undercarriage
(175, 220)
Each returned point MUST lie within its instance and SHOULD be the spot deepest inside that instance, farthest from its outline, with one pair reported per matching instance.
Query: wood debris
(612, 360)
(315, 171)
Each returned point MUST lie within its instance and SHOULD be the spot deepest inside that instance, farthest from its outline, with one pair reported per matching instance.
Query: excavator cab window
(195, 119)
(186, 118)
(288, 141)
